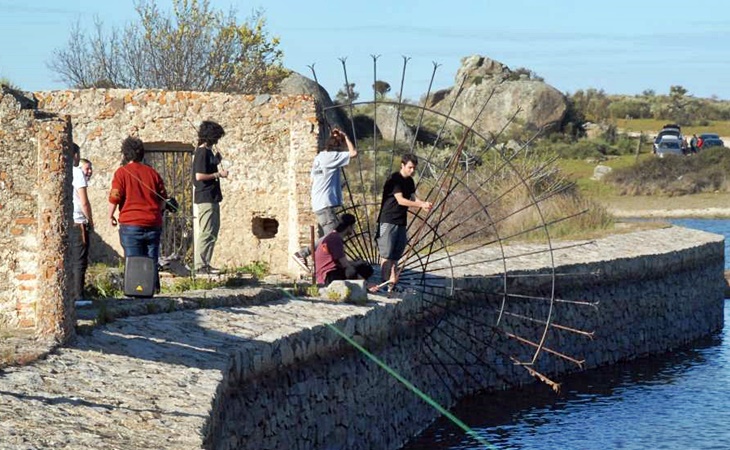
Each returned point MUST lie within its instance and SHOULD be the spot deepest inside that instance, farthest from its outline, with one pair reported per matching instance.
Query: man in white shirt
(82, 222)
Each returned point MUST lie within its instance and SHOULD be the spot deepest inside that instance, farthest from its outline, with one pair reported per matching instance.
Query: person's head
(86, 168)
(132, 150)
(408, 164)
(209, 133)
(346, 224)
(76, 153)
(336, 140)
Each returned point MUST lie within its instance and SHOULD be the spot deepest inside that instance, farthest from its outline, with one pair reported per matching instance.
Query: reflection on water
(679, 400)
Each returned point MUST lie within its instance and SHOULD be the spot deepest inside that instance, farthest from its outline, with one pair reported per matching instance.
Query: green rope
(410, 386)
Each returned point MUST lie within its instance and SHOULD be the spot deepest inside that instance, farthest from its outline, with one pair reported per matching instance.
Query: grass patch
(721, 127)
(104, 281)
(178, 285)
(258, 269)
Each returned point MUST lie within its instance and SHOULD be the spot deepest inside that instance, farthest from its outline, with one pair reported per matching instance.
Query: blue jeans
(141, 241)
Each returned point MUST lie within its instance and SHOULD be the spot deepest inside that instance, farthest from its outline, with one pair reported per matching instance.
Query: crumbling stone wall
(270, 141)
(35, 210)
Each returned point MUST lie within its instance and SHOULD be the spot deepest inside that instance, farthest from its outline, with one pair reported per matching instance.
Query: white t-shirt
(79, 181)
(326, 184)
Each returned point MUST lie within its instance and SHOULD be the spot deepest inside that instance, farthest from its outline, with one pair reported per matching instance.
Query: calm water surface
(679, 400)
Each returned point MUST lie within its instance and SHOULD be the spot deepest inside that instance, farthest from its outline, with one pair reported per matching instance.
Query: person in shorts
(327, 188)
(399, 194)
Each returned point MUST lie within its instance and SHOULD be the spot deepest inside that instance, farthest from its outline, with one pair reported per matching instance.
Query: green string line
(410, 386)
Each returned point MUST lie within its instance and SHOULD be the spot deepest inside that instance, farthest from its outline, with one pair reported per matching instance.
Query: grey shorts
(326, 220)
(391, 240)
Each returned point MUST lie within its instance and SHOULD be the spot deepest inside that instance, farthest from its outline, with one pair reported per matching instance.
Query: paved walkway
(146, 382)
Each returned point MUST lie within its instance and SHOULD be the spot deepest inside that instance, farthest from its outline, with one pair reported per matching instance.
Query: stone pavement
(146, 382)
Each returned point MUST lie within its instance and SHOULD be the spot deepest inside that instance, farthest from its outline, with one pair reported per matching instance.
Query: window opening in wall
(264, 228)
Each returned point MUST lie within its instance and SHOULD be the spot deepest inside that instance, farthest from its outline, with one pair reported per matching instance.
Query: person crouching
(330, 260)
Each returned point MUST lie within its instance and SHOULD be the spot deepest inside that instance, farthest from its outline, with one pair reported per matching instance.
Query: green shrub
(258, 269)
(675, 174)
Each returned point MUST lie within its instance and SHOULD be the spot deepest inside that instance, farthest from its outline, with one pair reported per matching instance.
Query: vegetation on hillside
(678, 106)
(676, 175)
(193, 48)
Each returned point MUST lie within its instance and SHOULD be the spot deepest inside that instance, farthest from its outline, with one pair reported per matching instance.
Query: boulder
(601, 171)
(541, 104)
(391, 125)
(350, 291)
(298, 84)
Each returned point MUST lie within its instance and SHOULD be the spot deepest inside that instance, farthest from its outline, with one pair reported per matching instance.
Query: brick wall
(270, 141)
(35, 210)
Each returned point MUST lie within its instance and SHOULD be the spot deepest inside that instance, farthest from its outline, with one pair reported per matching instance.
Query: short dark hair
(409, 157)
(210, 133)
(132, 150)
(346, 220)
(336, 140)
(75, 148)
(84, 161)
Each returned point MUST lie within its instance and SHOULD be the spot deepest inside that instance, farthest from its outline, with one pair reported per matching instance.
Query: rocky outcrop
(392, 126)
(298, 84)
(540, 104)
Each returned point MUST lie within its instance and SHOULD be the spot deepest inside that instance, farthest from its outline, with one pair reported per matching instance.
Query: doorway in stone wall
(174, 162)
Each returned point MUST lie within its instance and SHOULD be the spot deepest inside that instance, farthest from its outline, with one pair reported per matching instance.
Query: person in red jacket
(139, 193)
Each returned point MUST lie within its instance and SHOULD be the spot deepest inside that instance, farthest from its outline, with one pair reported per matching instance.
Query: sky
(620, 46)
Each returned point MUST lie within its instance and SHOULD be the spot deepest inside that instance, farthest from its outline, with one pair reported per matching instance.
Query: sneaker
(301, 261)
(212, 270)
(208, 270)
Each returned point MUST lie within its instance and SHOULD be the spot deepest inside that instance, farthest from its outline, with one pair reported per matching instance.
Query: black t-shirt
(208, 191)
(390, 210)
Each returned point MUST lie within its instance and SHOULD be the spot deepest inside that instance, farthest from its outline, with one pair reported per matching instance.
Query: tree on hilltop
(192, 48)
(347, 94)
(381, 88)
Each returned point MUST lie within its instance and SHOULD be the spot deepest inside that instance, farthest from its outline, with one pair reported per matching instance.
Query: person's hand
(113, 221)
(426, 205)
(223, 173)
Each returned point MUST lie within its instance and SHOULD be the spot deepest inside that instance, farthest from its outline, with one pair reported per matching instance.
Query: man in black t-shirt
(399, 194)
(208, 195)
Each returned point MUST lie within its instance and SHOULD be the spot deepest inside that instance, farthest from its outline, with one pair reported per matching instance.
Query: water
(679, 400)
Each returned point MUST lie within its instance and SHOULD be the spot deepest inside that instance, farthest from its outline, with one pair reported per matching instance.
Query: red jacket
(139, 191)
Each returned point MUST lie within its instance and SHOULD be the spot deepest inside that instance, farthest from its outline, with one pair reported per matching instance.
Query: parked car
(669, 145)
(669, 130)
(711, 140)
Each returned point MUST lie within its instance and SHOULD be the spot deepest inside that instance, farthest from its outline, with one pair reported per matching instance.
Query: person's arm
(85, 205)
(112, 210)
(222, 173)
(343, 262)
(115, 197)
(350, 146)
(200, 167)
(411, 203)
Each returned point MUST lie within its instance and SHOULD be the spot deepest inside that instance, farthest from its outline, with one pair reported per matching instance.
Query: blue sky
(623, 47)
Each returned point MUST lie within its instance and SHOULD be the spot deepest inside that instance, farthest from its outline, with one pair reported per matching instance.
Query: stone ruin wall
(35, 203)
(270, 141)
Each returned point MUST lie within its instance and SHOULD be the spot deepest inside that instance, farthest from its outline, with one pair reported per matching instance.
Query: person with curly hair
(207, 195)
(139, 193)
